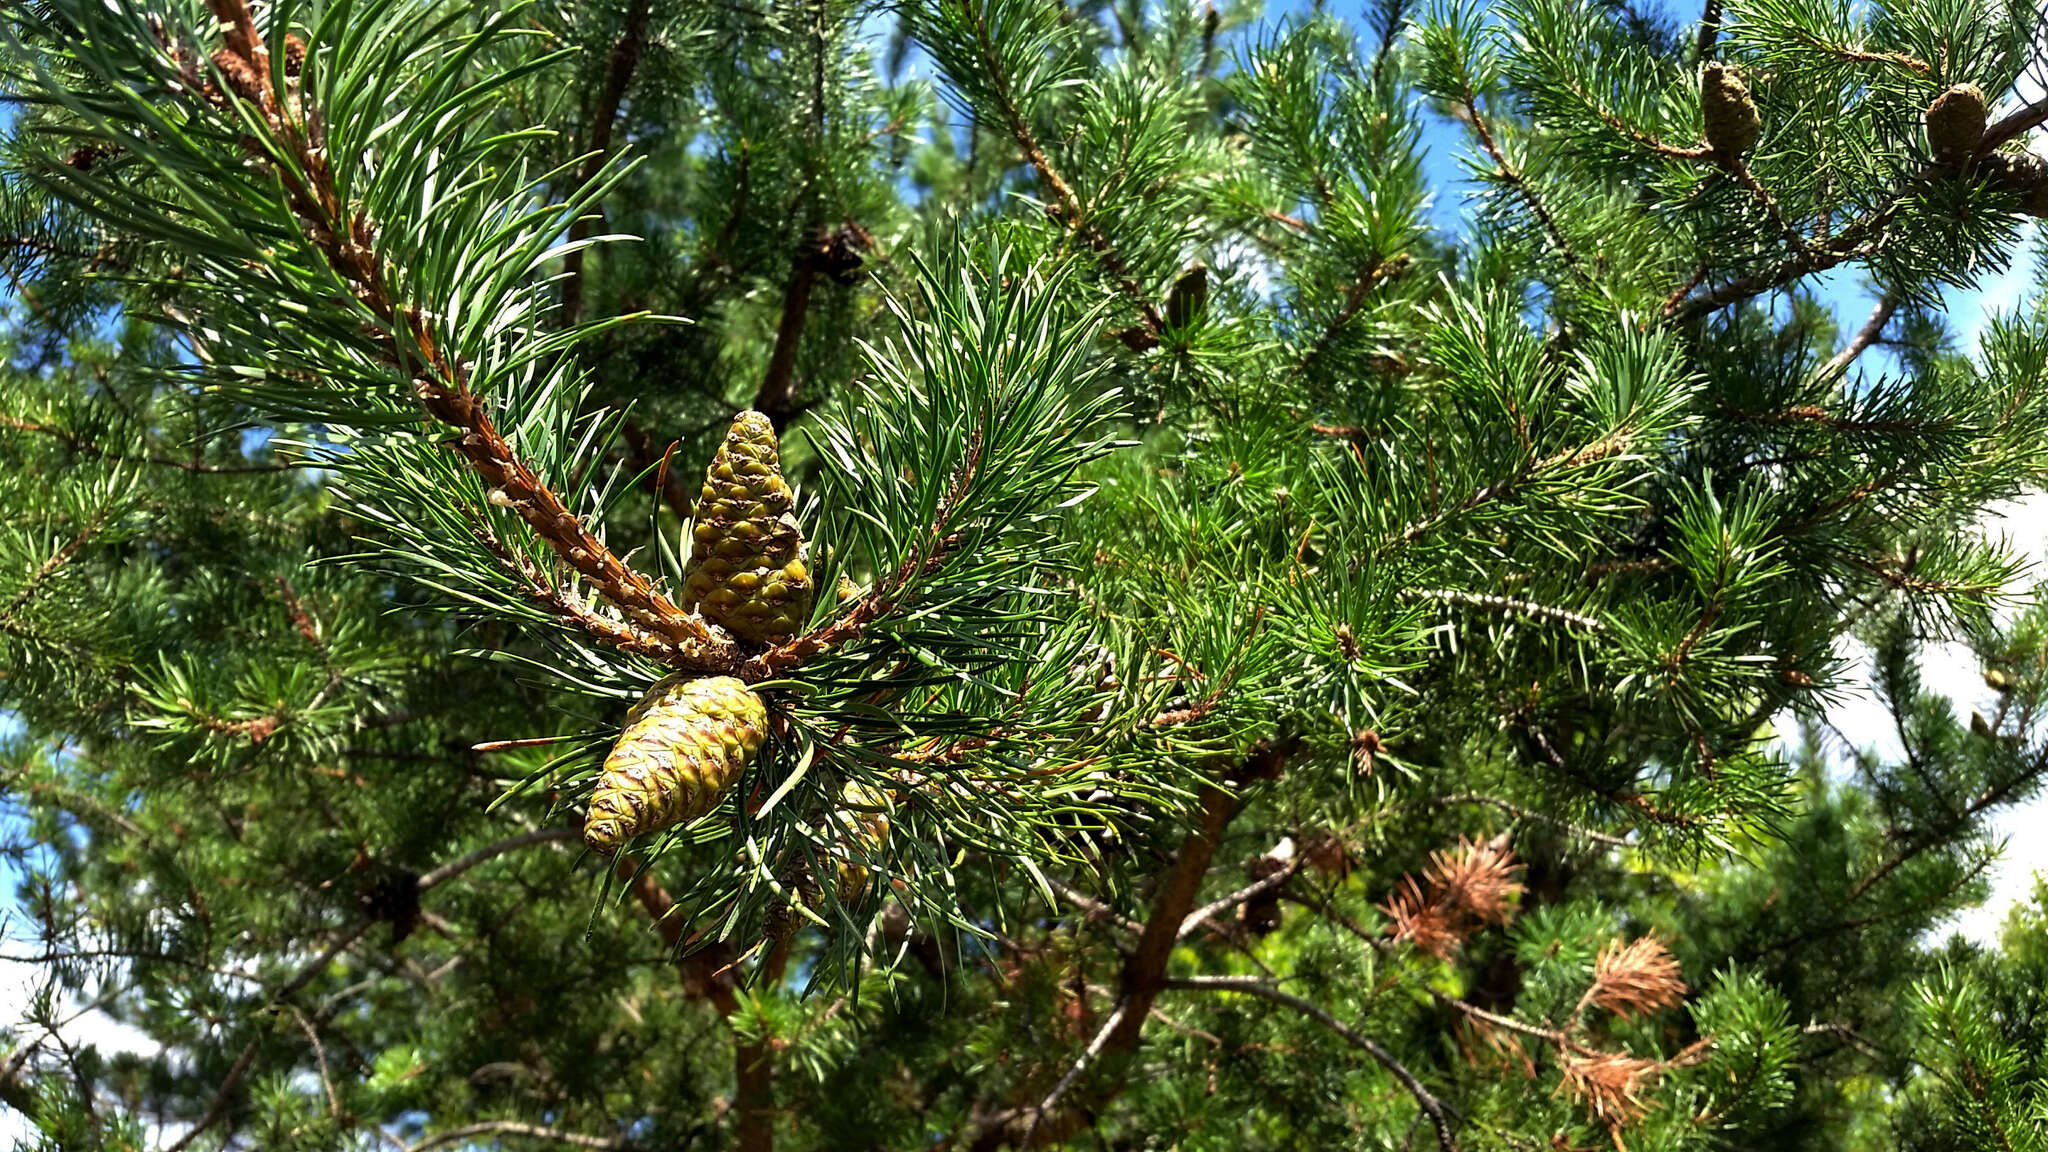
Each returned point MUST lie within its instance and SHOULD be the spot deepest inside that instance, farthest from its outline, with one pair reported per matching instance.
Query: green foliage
(1286, 672)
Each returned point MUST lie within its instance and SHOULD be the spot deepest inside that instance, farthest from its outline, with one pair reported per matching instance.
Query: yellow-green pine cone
(748, 571)
(866, 835)
(1730, 114)
(1955, 123)
(683, 746)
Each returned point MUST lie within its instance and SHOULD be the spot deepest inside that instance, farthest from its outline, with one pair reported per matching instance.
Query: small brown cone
(683, 746)
(1955, 123)
(2022, 173)
(1729, 112)
(748, 571)
(1189, 299)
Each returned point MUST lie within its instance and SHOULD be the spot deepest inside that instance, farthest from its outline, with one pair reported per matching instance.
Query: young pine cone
(1725, 104)
(866, 832)
(1955, 123)
(747, 571)
(683, 746)
(2021, 173)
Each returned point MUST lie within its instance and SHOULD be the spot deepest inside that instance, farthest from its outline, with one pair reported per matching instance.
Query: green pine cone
(1730, 114)
(866, 834)
(748, 570)
(1955, 123)
(683, 746)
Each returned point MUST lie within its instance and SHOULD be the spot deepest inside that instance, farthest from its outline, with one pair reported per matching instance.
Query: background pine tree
(1283, 673)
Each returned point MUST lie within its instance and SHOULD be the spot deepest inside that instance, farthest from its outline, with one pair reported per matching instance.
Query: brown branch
(565, 604)
(1247, 893)
(1513, 178)
(219, 1106)
(454, 868)
(1370, 276)
(1872, 329)
(1144, 972)
(1814, 414)
(1072, 214)
(2014, 125)
(347, 240)
(777, 395)
(1737, 168)
(515, 1128)
(1424, 1098)
(1848, 245)
(1710, 30)
(1093, 908)
(618, 76)
(710, 973)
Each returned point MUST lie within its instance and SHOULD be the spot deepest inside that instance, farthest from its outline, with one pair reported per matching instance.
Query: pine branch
(1513, 177)
(55, 562)
(1503, 604)
(1739, 169)
(564, 604)
(1369, 277)
(1072, 214)
(348, 242)
(887, 595)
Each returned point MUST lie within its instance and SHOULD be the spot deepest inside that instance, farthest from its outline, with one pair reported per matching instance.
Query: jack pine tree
(999, 573)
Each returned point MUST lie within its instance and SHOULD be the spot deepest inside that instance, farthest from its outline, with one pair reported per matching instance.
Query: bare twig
(1424, 1098)
(515, 1128)
(1088, 1055)
(1872, 329)
(1250, 891)
(454, 868)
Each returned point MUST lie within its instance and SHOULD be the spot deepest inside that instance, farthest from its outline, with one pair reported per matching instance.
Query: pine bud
(683, 746)
(1955, 123)
(1189, 299)
(748, 570)
(1730, 114)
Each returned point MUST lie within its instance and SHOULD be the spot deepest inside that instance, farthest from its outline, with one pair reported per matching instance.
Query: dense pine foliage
(1276, 646)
